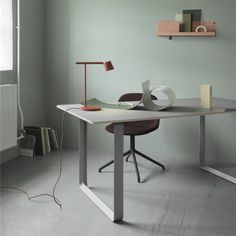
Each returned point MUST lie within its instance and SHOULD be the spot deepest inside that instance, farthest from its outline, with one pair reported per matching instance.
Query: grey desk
(182, 108)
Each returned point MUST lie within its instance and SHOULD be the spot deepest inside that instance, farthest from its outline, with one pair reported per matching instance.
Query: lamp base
(91, 108)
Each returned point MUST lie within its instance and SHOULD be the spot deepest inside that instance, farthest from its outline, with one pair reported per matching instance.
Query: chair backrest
(133, 97)
(136, 127)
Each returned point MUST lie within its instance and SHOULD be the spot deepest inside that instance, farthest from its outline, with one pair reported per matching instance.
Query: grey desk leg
(202, 155)
(118, 172)
(83, 153)
(202, 141)
(117, 213)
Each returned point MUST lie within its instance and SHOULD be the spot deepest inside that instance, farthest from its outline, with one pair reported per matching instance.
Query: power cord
(53, 195)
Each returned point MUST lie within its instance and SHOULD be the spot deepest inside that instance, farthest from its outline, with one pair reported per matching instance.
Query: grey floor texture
(182, 201)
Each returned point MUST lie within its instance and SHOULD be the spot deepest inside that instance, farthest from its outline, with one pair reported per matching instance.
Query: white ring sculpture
(148, 102)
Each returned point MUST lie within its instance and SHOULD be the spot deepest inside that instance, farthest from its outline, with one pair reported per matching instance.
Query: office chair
(133, 129)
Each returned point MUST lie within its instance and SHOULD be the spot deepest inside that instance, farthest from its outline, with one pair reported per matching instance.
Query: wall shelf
(172, 29)
(186, 34)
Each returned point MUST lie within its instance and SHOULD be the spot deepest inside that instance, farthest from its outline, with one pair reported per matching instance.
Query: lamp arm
(89, 63)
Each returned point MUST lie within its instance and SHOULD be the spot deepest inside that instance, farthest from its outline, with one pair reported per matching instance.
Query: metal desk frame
(184, 107)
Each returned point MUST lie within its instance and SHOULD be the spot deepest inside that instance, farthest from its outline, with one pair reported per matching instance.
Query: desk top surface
(181, 108)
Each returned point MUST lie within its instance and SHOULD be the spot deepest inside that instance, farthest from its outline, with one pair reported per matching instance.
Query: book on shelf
(179, 18)
(190, 16)
(27, 146)
(187, 22)
(196, 14)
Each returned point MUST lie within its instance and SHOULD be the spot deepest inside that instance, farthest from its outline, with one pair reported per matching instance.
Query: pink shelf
(171, 29)
(187, 34)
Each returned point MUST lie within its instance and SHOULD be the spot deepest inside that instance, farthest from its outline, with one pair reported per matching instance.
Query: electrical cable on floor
(53, 195)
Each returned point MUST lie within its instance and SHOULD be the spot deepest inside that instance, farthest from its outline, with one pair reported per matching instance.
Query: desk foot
(219, 174)
(99, 203)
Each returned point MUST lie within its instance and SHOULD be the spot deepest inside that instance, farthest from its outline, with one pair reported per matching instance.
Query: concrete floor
(183, 200)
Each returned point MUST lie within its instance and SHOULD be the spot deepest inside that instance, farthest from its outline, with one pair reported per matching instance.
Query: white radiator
(8, 116)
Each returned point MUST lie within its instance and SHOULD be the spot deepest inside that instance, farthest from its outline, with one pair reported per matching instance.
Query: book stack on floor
(38, 141)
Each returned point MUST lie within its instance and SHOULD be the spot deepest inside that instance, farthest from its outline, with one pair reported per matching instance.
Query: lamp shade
(108, 66)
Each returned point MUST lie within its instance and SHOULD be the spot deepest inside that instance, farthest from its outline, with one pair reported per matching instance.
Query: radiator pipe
(18, 72)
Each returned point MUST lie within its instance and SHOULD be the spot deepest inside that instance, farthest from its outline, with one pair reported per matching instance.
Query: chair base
(132, 153)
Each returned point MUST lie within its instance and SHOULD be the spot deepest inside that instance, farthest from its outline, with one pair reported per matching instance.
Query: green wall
(33, 91)
(56, 33)
(124, 31)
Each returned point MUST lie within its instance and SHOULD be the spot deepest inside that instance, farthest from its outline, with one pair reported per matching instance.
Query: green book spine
(53, 139)
(47, 142)
(43, 141)
(187, 22)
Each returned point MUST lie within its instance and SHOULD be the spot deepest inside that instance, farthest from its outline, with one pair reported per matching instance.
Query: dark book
(196, 15)
(38, 133)
(53, 139)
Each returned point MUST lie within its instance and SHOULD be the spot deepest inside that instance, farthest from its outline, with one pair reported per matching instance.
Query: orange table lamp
(107, 66)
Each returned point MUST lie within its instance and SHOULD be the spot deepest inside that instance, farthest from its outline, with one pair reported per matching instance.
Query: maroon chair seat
(136, 127)
(132, 129)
